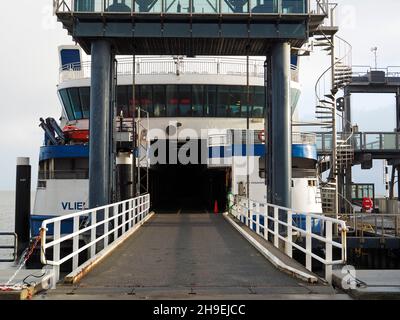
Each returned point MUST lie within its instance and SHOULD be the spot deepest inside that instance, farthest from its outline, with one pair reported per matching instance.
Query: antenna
(374, 50)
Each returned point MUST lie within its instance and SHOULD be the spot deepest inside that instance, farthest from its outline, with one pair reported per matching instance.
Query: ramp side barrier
(289, 229)
(5, 245)
(92, 231)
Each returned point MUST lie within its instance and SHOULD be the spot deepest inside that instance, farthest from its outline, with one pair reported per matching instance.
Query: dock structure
(130, 251)
(376, 145)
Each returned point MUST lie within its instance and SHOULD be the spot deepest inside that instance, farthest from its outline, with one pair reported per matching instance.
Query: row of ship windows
(174, 101)
(193, 6)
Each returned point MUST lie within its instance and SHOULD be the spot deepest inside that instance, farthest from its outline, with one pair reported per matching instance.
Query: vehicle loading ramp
(188, 256)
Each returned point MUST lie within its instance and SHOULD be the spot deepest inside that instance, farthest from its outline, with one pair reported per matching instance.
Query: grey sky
(29, 72)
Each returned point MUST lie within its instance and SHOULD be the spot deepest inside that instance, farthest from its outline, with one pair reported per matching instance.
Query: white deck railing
(283, 226)
(91, 231)
(172, 66)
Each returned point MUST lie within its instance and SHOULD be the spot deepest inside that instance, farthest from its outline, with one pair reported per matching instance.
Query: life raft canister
(75, 134)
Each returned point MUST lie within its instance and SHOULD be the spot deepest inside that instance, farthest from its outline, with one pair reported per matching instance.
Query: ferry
(177, 99)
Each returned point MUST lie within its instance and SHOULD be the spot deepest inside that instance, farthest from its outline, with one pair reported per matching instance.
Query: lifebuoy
(367, 203)
(261, 136)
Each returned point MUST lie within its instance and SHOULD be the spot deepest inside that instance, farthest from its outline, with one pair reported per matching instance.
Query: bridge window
(123, 101)
(67, 104)
(223, 104)
(210, 101)
(237, 102)
(258, 102)
(293, 6)
(148, 6)
(145, 97)
(198, 100)
(231, 6)
(173, 101)
(173, 6)
(118, 5)
(185, 100)
(205, 6)
(76, 102)
(194, 6)
(85, 100)
(159, 100)
(264, 6)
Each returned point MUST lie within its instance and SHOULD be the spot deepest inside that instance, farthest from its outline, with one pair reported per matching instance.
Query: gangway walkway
(182, 255)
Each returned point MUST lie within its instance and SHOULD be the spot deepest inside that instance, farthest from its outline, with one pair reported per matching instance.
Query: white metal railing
(364, 71)
(195, 7)
(362, 141)
(5, 245)
(96, 227)
(173, 66)
(303, 138)
(278, 224)
(227, 137)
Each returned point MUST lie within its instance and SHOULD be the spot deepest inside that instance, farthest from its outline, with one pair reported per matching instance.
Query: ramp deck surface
(183, 256)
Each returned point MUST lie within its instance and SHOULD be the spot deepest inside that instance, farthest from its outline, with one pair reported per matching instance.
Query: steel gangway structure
(124, 250)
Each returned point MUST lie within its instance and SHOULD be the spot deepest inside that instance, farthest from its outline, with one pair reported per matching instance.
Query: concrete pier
(369, 284)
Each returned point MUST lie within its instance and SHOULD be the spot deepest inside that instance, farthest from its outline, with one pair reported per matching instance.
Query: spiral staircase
(328, 109)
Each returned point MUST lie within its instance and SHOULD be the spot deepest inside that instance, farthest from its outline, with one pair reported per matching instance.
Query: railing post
(75, 243)
(93, 233)
(266, 222)
(106, 224)
(276, 227)
(289, 237)
(56, 251)
(328, 251)
(135, 210)
(249, 214)
(257, 211)
(308, 243)
(115, 213)
(140, 209)
(123, 209)
(131, 212)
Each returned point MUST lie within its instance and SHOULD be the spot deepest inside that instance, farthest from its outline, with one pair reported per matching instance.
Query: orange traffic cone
(216, 207)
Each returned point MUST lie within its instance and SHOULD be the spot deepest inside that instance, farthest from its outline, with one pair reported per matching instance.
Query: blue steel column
(100, 111)
(281, 133)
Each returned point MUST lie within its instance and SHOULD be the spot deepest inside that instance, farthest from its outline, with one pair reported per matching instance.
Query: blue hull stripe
(306, 151)
(72, 151)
